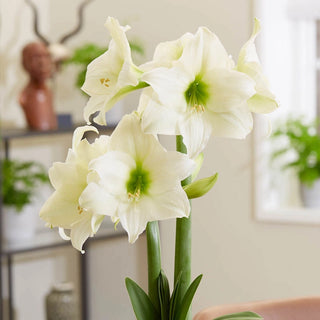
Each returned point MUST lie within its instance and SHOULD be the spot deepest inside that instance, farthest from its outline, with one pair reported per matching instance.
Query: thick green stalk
(154, 261)
(183, 239)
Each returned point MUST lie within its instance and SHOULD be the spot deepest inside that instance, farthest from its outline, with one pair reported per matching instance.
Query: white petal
(93, 105)
(81, 231)
(262, 104)
(196, 132)
(236, 124)
(174, 167)
(214, 53)
(170, 86)
(117, 33)
(248, 52)
(69, 176)
(167, 52)
(128, 137)
(63, 234)
(230, 89)
(102, 73)
(157, 118)
(191, 58)
(168, 205)
(59, 210)
(113, 169)
(97, 200)
(248, 63)
(133, 220)
(78, 134)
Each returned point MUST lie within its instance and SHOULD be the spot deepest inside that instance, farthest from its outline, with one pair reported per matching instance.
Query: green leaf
(164, 295)
(142, 306)
(198, 161)
(200, 187)
(247, 315)
(175, 300)
(187, 299)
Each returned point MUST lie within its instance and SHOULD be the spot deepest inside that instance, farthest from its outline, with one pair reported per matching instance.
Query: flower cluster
(191, 88)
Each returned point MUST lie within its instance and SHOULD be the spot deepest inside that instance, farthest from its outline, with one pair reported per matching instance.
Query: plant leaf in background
(164, 295)
(141, 303)
(241, 316)
(187, 299)
(20, 180)
(300, 149)
(200, 187)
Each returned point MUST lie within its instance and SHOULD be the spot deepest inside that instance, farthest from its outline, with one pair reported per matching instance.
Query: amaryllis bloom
(166, 53)
(248, 62)
(201, 93)
(137, 180)
(64, 209)
(111, 75)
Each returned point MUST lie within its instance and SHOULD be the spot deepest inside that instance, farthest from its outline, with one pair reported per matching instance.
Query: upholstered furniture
(307, 308)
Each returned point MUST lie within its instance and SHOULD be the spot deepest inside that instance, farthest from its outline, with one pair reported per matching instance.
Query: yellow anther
(80, 210)
(198, 108)
(134, 196)
(104, 81)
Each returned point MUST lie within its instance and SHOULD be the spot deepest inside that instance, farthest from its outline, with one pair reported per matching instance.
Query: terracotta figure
(36, 97)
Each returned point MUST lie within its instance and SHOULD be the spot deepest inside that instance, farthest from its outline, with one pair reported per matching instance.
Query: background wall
(240, 258)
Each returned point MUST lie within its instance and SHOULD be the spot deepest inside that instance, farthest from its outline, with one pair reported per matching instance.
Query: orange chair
(290, 309)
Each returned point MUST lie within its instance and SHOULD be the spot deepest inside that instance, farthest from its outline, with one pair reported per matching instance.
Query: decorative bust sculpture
(36, 97)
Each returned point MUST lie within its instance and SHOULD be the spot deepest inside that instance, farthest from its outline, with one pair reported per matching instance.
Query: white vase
(19, 226)
(311, 195)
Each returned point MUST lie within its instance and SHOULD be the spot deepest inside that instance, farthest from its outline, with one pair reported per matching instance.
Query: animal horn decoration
(58, 50)
(35, 22)
(80, 22)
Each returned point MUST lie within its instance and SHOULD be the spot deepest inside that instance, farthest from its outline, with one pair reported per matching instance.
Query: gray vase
(61, 303)
(311, 195)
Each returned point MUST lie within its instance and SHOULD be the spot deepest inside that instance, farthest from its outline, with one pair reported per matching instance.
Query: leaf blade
(247, 315)
(187, 299)
(141, 303)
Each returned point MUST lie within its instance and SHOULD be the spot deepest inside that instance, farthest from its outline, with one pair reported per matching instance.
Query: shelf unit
(46, 240)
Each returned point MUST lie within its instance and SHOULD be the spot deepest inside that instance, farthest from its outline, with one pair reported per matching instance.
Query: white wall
(240, 258)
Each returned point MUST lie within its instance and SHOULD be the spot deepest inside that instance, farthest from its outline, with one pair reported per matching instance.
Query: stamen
(134, 196)
(81, 210)
(104, 81)
(198, 108)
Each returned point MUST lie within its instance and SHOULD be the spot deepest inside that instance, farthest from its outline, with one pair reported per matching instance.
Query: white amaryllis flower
(137, 180)
(64, 209)
(166, 53)
(248, 62)
(201, 93)
(111, 75)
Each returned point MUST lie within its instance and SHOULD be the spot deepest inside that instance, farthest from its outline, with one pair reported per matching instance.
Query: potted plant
(20, 180)
(300, 151)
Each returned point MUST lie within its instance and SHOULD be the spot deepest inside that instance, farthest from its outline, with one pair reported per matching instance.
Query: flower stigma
(138, 182)
(197, 94)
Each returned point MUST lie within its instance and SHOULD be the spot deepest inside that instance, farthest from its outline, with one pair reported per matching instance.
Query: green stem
(154, 261)
(183, 239)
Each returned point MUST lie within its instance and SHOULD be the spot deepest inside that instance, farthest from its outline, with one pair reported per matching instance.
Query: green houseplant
(300, 151)
(20, 180)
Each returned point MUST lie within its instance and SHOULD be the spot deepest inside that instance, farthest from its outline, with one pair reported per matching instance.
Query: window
(289, 48)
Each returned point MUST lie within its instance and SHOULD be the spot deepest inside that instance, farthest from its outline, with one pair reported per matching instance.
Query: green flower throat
(138, 183)
(197, 94)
